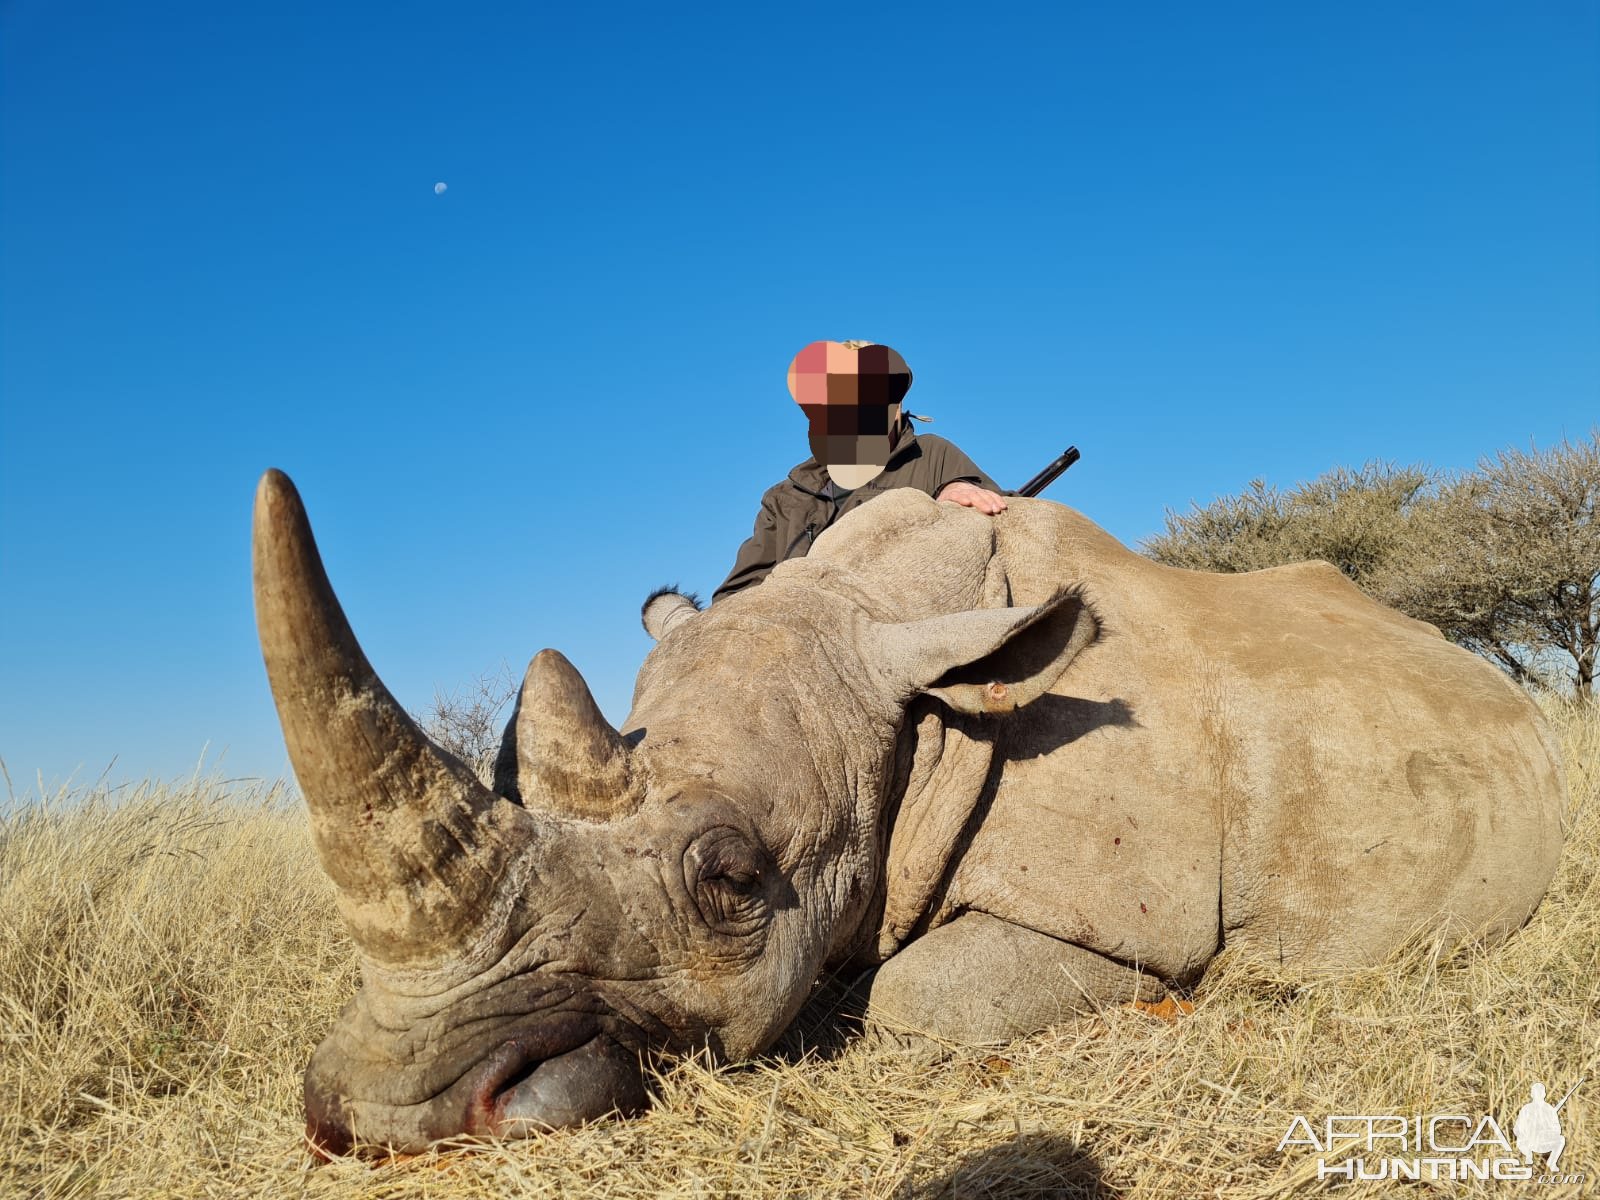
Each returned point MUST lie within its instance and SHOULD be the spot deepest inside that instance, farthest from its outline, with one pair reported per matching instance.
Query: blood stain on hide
(1116, 841)
(1142, 908)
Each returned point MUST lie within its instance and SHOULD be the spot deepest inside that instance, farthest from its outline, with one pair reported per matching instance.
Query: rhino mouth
(519, 1093)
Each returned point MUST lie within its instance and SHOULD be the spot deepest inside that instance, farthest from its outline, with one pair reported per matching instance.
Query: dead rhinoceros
(1023, 767)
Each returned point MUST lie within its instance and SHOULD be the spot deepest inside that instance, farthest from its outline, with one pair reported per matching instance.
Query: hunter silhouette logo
(1406, 1146)
(851, 394)
(1538, 1127)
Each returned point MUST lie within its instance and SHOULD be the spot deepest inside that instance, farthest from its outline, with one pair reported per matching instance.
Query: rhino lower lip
(521, 1093)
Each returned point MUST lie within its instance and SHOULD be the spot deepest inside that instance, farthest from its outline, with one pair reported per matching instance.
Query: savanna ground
(169, 957)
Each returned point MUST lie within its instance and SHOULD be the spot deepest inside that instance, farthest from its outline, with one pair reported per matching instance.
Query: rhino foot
(981, 981)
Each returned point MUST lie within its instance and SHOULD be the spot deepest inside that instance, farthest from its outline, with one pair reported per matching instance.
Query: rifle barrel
(1568, 1096)
(1051, 473)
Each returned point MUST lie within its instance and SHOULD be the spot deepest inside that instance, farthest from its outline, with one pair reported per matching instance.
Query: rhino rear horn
(560, 755)
(416, 845)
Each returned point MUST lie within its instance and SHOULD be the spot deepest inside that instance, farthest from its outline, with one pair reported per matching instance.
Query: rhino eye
(726, 875)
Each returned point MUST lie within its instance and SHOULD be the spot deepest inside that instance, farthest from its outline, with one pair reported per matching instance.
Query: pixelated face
(851, 396)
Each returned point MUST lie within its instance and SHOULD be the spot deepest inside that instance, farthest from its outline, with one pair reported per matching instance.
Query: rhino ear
(666, 608)
(988, 660)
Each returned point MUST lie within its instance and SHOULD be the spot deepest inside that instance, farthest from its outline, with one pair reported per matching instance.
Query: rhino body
(1021, 767)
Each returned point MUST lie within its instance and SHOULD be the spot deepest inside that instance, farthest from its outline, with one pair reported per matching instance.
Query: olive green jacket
(796, 510)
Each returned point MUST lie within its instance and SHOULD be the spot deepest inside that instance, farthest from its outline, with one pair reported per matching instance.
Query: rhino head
(678, 886)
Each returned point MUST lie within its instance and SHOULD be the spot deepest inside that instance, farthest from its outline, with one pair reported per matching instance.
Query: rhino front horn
(559, 754)
(416, 845)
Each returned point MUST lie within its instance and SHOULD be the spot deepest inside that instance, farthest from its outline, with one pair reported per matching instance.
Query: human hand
(970, 495)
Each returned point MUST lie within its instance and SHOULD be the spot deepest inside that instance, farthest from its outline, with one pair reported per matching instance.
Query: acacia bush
(1358, 520)
(469, 721)
(1504, 559)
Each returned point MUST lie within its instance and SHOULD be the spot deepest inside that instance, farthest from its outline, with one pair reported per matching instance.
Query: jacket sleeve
(757, 556)
(951, 464)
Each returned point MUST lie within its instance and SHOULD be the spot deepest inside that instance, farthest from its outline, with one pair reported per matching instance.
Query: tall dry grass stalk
(168, 961)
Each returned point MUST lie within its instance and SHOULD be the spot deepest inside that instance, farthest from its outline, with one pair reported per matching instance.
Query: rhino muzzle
(559, 1074)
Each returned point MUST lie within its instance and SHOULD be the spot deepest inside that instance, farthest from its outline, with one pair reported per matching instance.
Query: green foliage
(1506, 561)
(1355, 520)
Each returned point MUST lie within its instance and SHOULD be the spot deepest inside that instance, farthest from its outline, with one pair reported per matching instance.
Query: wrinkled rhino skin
(1020, 766)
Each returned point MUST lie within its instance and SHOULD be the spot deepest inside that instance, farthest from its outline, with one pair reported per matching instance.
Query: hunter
(862, 445)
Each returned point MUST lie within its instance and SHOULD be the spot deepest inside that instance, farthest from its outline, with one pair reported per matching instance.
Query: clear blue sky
(1205, 242)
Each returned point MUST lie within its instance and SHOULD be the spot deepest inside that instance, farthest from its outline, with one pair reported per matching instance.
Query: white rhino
(1020, 766)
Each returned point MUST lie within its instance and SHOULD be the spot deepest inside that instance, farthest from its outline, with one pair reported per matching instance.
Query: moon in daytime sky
(439, 189)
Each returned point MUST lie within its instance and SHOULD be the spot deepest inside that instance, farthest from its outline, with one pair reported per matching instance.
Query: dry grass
(169, 958)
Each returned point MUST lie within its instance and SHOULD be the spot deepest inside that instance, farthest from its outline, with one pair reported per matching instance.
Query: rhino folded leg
(980, 980)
